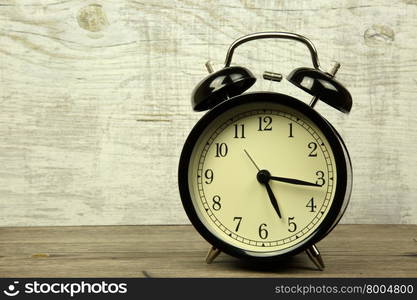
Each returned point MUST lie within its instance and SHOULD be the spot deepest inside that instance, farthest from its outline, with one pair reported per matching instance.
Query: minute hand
(293, 181)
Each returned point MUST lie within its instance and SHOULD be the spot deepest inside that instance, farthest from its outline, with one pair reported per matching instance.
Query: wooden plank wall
(95, 100)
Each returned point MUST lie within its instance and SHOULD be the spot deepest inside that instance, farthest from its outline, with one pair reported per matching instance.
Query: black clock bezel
(340, 153)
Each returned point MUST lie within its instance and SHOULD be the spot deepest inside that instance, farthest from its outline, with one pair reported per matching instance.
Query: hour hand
(274, 201)
(263, 177)
(293, 181)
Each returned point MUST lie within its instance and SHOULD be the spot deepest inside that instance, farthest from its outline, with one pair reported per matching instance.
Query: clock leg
(212, 254)
(314, 255)
(209, 66)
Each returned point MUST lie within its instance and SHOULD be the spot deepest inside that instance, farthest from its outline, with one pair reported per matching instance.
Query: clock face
(262, 177)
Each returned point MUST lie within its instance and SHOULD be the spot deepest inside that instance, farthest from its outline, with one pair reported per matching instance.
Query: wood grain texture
(95, 100)
(178, 251)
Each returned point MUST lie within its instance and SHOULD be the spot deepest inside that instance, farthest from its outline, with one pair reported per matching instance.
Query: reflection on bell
(323, 86)
(221, 85)
(307, 82)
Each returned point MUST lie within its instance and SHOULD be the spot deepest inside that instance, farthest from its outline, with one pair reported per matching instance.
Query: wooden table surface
(178, 251)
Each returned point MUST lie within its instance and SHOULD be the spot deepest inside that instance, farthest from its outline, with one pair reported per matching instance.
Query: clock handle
(315, 256)
(273, 35)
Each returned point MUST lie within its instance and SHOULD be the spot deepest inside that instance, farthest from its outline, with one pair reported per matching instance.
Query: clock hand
(274, 201)
(293, 181)
(251, 159)
(282, 179)
(263, 177)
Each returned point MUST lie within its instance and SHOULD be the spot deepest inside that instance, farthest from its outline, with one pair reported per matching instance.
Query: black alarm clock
(263, 175)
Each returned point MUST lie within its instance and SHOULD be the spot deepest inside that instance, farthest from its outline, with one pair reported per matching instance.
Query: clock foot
(209, 66)
(212, 254)
(314, 255)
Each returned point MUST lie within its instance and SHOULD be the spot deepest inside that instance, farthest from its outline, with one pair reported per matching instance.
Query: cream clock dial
(227, 191)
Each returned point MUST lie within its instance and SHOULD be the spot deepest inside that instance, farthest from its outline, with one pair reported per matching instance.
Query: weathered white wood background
(95, 100)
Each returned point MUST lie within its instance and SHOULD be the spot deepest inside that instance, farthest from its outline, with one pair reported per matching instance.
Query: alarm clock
(263, 175)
